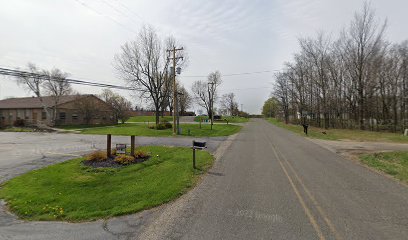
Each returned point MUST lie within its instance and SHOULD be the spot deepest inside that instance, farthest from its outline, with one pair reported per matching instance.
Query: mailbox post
(197, 146)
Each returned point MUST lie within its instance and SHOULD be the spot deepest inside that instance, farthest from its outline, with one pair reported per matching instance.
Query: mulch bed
(110, 163)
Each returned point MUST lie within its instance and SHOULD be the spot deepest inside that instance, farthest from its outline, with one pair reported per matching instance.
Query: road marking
(302, 202)
(312, 198)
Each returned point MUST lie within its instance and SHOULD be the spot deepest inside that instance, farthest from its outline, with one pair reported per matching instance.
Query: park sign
(121, 148)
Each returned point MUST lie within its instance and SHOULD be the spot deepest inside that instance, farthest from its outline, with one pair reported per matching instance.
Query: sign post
(108, 145)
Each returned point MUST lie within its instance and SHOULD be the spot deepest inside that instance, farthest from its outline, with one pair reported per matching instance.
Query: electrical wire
(107, 16)
(18, 73)
(235, 74)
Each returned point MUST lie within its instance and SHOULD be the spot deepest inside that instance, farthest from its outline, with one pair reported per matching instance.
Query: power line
(236, 74)
(130, 10)
(116, 9)
(107, 16)
(18, 73)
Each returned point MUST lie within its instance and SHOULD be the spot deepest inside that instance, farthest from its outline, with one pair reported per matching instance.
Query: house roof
(34, 102)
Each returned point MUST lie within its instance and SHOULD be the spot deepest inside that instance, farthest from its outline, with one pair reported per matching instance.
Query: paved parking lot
(22, 152)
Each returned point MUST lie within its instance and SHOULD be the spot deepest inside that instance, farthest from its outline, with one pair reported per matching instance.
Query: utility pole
(211, 93)
(173, 72)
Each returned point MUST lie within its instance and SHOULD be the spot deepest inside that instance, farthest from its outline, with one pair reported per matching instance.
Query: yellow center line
(313, 199)
(302, 202)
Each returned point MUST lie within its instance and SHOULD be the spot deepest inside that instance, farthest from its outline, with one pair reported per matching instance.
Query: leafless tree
(87, 107)
(120, 105)
(143, 64)
(228, 104)
(34, 83)
(46, 83)
(356, 81)
(205, 92)
(184, 100)
(56, 85)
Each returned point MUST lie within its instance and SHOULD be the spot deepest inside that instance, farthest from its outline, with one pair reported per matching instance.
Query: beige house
(70, 110)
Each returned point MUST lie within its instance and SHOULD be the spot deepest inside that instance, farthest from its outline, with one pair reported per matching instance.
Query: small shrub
(97, 156)
(19, 123)
(161, 126)
(141, 154)
(124, 159)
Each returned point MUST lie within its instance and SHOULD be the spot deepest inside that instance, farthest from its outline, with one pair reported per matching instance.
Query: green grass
(343, 134)
(83, 126)
(16, 129)
(128, 129)
(151, 119)
(71, 191)
(392, 163)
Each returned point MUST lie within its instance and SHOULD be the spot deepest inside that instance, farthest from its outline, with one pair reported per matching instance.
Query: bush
(161, 126)
(19, 123)
(141, 154)
(124, 159)
(97, 156)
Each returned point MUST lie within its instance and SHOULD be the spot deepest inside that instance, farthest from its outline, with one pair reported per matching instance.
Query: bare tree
(87, 107)
(357, 81)
(143, 64)
(205, 93)
(56, 86)
(46, 83)
(33, 82)
(120, 105)
(184, 100)
(228, 104)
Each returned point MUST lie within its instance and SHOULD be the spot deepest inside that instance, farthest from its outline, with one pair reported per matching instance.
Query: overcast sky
(235, 36)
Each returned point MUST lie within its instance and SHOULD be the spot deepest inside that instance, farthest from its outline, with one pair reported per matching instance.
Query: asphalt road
(268, 184)
(273, 184)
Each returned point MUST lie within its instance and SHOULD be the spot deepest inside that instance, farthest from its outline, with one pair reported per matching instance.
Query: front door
(34, 117)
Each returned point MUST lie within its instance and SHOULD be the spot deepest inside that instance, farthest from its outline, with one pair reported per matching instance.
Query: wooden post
(108, 145)
(132, 145)
(194, 160)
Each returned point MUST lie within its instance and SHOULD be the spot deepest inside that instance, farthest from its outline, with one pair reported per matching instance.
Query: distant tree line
(359, 80)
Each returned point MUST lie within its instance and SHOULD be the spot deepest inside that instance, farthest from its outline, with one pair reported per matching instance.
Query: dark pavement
(273, 184)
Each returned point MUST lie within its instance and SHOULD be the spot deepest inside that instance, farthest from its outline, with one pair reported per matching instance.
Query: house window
(62, 116)
(43, 115)
(74, 116)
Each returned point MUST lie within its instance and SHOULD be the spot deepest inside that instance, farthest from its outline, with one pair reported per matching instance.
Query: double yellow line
(307, 210)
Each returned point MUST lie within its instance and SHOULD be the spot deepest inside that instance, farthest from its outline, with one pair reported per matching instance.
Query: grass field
(128, 129)
(16, 129)
(71, 191)
(151, 119)
(392, 163)
(343, 134)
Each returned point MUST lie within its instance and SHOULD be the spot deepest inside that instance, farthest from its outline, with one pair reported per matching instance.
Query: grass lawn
(393, 163)
(16, 129)
(340, 134)
(128, 129)
(74, 192)
(75, 127)
(151, 119)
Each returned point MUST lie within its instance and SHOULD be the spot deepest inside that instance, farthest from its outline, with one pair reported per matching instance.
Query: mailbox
(199, 145)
